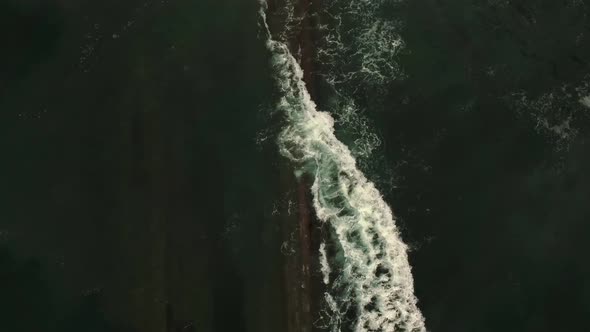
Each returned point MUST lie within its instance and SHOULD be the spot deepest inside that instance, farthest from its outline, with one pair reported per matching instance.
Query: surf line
(373, 286)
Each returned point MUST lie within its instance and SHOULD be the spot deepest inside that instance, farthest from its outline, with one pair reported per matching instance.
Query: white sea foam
(358, 51)
(373, 288)
(358, 45)
(357, 126)
(325, 266)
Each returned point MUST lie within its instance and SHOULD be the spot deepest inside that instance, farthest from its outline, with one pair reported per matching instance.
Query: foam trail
(325, 266)
(373, 287)
(359, 47)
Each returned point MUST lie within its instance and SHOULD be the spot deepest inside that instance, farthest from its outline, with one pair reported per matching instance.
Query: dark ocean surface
(138, 182)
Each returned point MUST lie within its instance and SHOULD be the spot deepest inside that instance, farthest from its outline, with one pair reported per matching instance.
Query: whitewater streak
(373, 285)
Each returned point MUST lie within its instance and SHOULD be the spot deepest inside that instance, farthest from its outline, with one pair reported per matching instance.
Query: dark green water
(494, 205)
(132, 180)
(131, 177)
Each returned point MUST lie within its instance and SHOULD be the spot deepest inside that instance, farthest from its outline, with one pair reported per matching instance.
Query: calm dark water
(132, 180)
(131, 175)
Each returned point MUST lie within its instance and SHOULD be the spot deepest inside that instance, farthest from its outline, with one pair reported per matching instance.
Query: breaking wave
(364, 261)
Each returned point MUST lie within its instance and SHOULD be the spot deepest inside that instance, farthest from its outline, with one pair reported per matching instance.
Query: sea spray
(373, 287)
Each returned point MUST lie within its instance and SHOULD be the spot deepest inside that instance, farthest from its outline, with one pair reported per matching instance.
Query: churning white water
(364, 261)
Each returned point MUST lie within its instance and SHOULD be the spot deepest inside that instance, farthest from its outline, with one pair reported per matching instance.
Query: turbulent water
(359, 46)
(364, 261)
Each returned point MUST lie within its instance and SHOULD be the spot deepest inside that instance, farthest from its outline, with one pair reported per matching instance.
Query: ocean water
(124, 181)
(461, 115)
(146, 146)
(373, 281)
